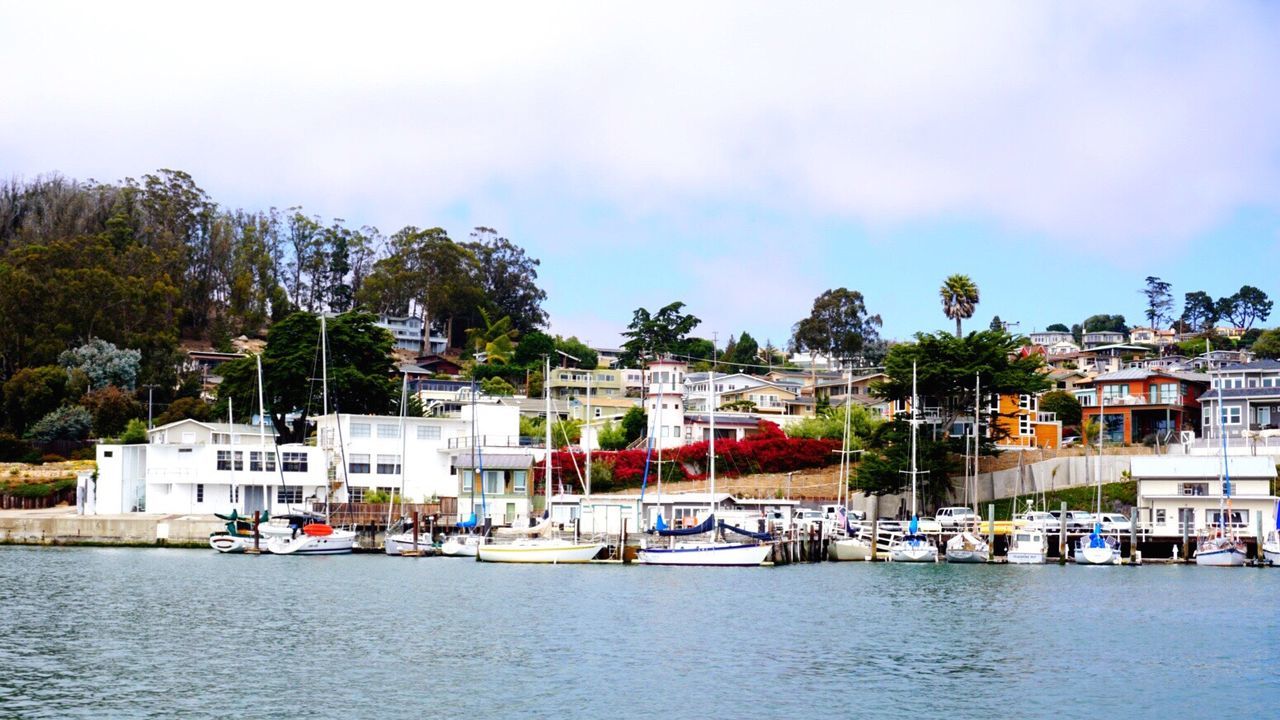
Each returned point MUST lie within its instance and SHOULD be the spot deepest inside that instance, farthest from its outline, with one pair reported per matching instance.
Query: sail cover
(469, 522)
(705, 526)
(742, 531)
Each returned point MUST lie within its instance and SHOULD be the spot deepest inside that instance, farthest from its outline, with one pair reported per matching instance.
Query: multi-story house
(1102, 337)
(408, 334)
(1141, 402)
(1021, 423)
(1153, 336)
(1180, 493)
(1242, 397)
(572, 383)
(697, 387)
(193, 467)
(1049, 337)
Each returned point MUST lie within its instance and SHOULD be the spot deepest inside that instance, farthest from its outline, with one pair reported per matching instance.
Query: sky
(741, 157)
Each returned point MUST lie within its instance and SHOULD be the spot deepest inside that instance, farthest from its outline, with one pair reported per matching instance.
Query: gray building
(1250, 398)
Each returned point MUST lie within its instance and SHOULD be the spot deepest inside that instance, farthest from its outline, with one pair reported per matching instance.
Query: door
(254, 499)
(1186, 520)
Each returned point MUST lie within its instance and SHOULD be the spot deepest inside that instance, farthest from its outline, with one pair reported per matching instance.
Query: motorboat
(1027, 547)
(314, 539)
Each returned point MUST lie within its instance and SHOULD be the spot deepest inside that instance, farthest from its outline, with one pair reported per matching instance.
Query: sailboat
(849, 544)
(968, 546)
(1094, 548)
(317, 538)
(1222, 547)
(714, 551)
(914, 547)
(1271, 544)
(403, 536)
(542, 548)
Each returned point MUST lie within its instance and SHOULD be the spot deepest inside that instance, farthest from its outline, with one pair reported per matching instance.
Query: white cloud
(1107, 127)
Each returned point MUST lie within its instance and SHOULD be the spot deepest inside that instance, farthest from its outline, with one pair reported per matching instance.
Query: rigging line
(695, 358)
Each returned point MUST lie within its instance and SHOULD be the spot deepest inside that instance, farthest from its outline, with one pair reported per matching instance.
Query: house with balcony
(1138, 402)
(1240, 397)
(832, 392)
(697, 387)
(572, 383)
(1021, 424)
(191, 467)
(1153, 336)
(766, 399)
(1181, 492)
(1103, 337)
(1046, 338)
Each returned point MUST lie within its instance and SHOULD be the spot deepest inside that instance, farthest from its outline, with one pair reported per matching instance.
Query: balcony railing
(483, 441)
(1141, 399)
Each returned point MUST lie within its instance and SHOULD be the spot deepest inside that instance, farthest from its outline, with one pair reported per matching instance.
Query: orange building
(1142, 402)
(1022, 424)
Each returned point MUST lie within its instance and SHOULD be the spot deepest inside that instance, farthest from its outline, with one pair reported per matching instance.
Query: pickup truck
(956, 517)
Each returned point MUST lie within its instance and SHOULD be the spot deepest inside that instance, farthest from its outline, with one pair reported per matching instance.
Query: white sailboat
(316, 538)
(1221, 547)
(544, 549)
(914, 547)
(467, 544)
(1271, 543)
(849, 544)
(1094, 548)
(968, 546)
(714, 551)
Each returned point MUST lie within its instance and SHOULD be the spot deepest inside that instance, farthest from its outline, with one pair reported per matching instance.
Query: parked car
(1115, 522)
(956, 517)
(1070, 441)
(1042, 521)
(804, 518)
(1079, 520)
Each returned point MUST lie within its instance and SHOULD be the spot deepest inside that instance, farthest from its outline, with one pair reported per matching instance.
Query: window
(1166, 394)
(1231, 415)
(428, 432)
(520, 481)
(239, 461)
(357, 494)
(271, 461)
(1026, 402)
(1113, 393)
(359, 430)
(1024, 425)
(1194, 488)
(1239, 518)
(1160, 516)
(1086, 399)
(359, 463)
(388, 432)
(493, 482)
(199, 492)
(294, 462)
(233, 493)
(255, 461)
(221, 438)
(388, 464)
(289, 494)
(224, 459)
(466, 480)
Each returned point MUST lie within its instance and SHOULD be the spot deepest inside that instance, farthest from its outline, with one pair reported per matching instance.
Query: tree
(1105, 323)
(111, 409)
(1064, 404)
(565, 433)
(612, 437)
(838, 326)
(653, 334)
(587, 358)
(634, 423)
(1245, 307)
(1159, 301)
(1268, 344)
(69, 422)
(359, 372)
(959, 298)
(33, 393)
(745, 357)
(497, 387)
(184, 408)
(533, 346)
(495, 339)
(882, 469)
(534, 387)
(135, 433)
(1199, 311)
(1055, 327)
(104, 364)
(996, 323)
(509, 279)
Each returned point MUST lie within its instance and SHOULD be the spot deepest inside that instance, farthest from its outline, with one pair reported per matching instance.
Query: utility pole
(150, 387)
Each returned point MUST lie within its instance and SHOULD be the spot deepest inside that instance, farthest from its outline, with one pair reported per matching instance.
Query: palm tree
(495, 339)
(959, 296)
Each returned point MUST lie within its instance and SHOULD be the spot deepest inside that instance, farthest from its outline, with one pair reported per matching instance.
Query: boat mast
(977, 420)
(546, 387)
(1102, 421)
(231, 451)
(842, 493)
(712, 446)
(1224, 474)
(262, 432)
(324, 367)
(404, 401)
(914, 420)
(586, 425)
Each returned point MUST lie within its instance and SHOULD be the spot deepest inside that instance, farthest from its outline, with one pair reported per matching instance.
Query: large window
(1231, 415)
(359, 430)
(224, 459)
(1112, 393)
(294, 462)
(289, 494)
(357, 494)
(255, 461)
(359, 463)
(428, 432)
(1239, 518)
(1114, 428)
(1194, 488)
(388, 464)
(1165, 394)
(493, 482)
(239, 461)
(466, 480)
(520, 481)
(1087, 399)
(388, 432)
(1024, 425)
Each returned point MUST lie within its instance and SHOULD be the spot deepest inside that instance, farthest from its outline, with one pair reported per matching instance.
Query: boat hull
(1227, 557)
(465, 546)
(909, 554)
(340, 542)
(225, 543)
(1272, 557)
(967, 556)
(403, 542)
(850, 549)
(539, 552)
(709, 554)
(1097, 556)
(1025, 557)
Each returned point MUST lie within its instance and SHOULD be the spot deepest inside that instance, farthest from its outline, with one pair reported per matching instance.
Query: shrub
(52, 458)
(104, 363)
(14, 449)
(111, 408)
(135, 433)
(612, 437)
(65, 423)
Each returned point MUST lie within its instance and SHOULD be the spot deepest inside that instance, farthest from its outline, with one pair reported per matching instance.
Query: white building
(664, 403)
(1050, 337)
(1180, 490)
(192, 467)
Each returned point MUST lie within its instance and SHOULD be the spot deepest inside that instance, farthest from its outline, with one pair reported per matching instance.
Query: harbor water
(130, 633)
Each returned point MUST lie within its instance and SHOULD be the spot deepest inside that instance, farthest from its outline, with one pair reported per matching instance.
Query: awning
(493, 460)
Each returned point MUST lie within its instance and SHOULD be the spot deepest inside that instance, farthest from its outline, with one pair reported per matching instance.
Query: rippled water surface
(184, 633)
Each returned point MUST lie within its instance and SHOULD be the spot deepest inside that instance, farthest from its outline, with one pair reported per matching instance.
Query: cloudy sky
(742, 157)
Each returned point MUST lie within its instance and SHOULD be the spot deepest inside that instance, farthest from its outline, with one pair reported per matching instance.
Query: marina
(466, 638)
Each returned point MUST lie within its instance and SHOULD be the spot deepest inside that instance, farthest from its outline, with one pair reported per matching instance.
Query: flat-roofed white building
(1177, 491)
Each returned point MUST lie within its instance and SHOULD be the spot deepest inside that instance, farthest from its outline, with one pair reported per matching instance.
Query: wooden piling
(257, 519)
(1134, 557)
(991, 528)
(1186, 542)
(1062, 536)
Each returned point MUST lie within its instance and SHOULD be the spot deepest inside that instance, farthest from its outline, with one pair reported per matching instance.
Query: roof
(237, 428)
(494, 461)
(1205, 467)
(683, 498)
(722, 419)
(1255, 365)
(1233, 393)
(1145, 373)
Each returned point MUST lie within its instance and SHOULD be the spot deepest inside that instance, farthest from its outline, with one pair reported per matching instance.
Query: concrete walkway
(62, 526)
